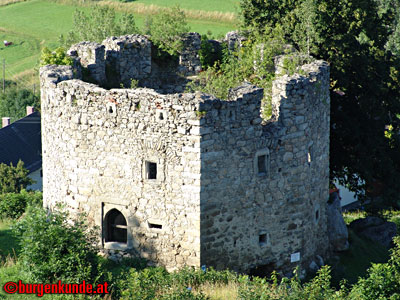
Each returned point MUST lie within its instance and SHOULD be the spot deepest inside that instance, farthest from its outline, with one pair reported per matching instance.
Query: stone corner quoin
(186, 178)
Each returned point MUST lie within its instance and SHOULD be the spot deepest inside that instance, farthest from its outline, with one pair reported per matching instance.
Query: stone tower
(186, 178)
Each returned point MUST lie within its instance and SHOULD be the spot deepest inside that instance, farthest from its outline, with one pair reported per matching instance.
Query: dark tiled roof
(22, 140)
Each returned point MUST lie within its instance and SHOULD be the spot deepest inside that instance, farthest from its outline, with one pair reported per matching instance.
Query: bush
(166, 30)
(209, 54)
(56, 57)
(54, 248)
(13, 179)
(383, 280)
(13, 205)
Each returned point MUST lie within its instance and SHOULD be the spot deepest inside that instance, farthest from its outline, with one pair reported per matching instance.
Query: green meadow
(31, 25)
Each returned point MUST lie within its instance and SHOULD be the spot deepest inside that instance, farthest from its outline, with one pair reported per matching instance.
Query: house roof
(21, 140)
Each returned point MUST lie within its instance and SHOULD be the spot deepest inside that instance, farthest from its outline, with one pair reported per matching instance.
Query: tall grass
(227, 291)
(152, 9)
(143, 9)
(7, 2)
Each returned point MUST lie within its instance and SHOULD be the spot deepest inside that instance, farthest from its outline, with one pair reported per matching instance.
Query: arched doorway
(115, 227)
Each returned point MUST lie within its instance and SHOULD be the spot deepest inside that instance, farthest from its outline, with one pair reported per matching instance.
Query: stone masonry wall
(231, 191)
(251, 218)
(91, 57)
(127, 57)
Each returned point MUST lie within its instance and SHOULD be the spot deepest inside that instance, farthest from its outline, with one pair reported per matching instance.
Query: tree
(14, 101)
(101, 22)
(166, 29)
(13, 179)
(365, 90)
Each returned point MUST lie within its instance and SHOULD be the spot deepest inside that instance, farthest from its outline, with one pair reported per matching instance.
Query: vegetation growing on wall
(56, 57)
(165, 30)
(253, 62)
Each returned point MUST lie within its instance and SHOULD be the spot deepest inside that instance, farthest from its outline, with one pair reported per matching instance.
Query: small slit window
(155, 226)
(317, 214)
(151, 170)
(263, 239)
(116, 227)
(261, 163)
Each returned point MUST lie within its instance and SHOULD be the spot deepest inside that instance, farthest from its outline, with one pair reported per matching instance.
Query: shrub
(13, 205)
(382, 281)
(53, 248)
(166, 30)
(13, 179)
(209, 54)
(56, 57)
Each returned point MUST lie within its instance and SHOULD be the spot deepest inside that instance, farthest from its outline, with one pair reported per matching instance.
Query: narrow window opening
(156, 226)
(161, 116)
(115, 224)
(151, 170)
(317, 215)
(110, 110)
(262, 239)
(261, 163)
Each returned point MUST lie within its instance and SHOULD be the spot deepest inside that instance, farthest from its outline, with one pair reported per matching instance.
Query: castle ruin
(186, 178)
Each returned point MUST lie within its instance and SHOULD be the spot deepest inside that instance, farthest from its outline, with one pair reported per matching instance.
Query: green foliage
(14, 101)
(306, 34)
(166, 30)
(156, 283)
(101, 22)
(355, 37)
(208, 54)
(53, 248)
(8, 244)
(56, 57)
(383, 280)
(13, 179)
(134, 83)
(201, 113)
(253, 62)
(13, 205)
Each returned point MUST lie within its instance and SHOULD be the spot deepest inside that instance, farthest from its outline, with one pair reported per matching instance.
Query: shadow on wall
(124, 237)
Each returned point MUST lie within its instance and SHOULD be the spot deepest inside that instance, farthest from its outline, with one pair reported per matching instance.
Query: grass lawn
(30, 25)
(354, 262)
(8, 245)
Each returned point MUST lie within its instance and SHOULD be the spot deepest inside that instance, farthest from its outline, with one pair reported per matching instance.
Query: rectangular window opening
(261, 163)
(151, 170)
(262, 239)
(156, 226)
